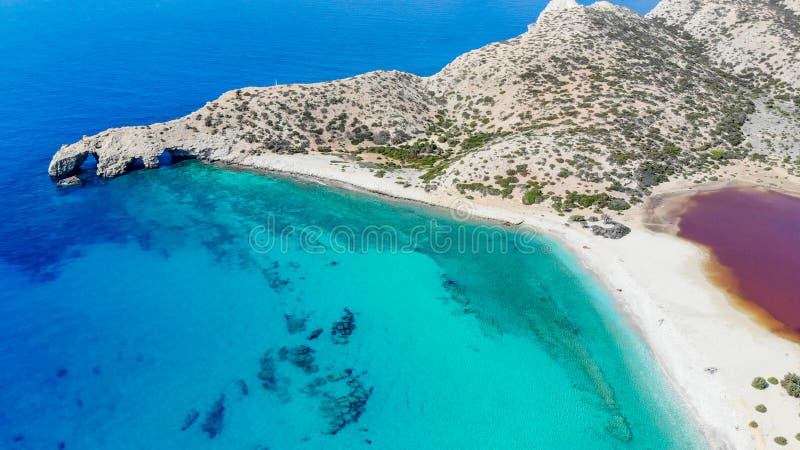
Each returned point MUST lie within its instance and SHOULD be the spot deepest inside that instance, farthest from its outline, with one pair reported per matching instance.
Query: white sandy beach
(708, 349)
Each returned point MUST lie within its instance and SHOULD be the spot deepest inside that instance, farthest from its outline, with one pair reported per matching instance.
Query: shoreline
(722, 276)
(664, 293)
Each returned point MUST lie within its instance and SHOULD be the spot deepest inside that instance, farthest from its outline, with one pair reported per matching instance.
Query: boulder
(69, 181)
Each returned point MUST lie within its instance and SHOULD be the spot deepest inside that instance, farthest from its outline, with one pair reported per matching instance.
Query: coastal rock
(119, 150)
(342, 329)
(611, 229)
(213, 423)
(69, 181)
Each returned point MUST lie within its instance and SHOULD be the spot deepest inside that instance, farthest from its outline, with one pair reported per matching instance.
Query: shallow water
(133, 304)
(510, 345)
(755, 238)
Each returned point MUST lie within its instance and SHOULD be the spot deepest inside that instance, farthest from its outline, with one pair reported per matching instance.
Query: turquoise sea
(196, 307)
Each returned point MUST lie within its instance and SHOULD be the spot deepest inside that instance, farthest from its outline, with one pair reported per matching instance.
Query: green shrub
(601, 200)
(797, 436)
(753, 424)
(422, 154)
(761, 408)
(534, 194)
(772, 380)
(780, 440)
(507, 184)
(436, 171)
(759, 383)
(478, 187)
(791, 382)
(476, 140)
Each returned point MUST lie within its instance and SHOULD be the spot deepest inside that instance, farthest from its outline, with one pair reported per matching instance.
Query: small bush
(761, 408)
(780, 440)
(760, 383)
(753, 424)
(772, 380)
(534, 195)
(791, 382)
(797, 436)
(476, 140)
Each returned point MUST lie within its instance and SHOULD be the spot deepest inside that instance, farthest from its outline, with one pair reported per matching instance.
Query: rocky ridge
(590, 108)
(747, 36)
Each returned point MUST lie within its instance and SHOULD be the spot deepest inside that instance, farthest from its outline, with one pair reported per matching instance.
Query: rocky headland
(592, 108)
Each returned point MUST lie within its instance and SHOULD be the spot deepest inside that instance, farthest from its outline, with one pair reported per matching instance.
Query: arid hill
(590, 108)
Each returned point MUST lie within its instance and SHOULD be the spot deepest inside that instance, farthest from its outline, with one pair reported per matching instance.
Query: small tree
(791, 382)
(760, 383)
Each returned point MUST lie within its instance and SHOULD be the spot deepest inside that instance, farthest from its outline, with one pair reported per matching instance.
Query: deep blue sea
(196, 307)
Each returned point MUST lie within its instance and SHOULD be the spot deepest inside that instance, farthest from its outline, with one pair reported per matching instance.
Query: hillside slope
(761, 36)
(590, 108)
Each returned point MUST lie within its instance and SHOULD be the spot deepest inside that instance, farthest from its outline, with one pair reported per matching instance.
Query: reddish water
(755, 237)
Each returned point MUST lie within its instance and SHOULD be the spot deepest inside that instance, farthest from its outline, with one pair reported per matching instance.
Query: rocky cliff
(591, 107)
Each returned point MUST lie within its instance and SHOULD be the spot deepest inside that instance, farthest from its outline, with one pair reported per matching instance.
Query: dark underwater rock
(315, 334)
(212, 425)
(343, 410)
(301, 356)
(243, 387)
(295, 323)
(313, 388)
(267, 373)
(191, 418)
(333, 377)
(456, 292)
(344, 328)
(276, 282)
(619, 429)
